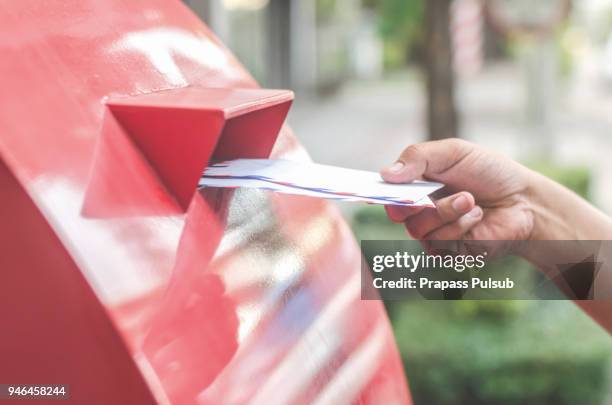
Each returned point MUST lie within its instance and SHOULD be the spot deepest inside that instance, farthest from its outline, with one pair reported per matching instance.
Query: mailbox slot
(163, 141)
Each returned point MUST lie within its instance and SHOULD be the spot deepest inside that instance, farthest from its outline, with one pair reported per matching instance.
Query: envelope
(317, 180)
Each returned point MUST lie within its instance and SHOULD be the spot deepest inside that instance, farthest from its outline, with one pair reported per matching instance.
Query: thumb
(426, 160)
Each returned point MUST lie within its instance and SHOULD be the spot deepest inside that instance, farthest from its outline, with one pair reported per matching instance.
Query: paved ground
(368, 123)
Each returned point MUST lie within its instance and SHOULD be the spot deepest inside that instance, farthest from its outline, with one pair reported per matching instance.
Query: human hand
(490, 197)
(487, 193)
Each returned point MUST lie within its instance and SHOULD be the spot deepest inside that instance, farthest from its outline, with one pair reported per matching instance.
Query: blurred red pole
(441, 109)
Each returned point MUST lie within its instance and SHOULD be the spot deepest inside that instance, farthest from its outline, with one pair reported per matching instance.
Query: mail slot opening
(167, 139)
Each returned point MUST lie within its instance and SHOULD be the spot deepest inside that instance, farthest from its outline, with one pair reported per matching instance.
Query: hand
(494, 198)
(487, 193)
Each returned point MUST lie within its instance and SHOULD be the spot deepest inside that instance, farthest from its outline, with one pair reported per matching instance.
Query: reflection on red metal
(150, 133)
(247, 297)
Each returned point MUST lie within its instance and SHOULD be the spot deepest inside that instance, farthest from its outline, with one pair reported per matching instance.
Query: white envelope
(315, 180)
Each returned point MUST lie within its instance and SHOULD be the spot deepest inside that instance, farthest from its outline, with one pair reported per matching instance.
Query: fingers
(410, 166)
(399, 213)
(448, 210)
(452, 207)
(426, 160)
(457, 230)
(461, 202)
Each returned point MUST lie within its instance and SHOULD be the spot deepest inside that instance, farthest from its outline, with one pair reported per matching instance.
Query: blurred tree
(410, 26)
(441, 109)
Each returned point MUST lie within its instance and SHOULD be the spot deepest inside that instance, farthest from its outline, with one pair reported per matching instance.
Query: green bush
(497, 352)
(538, 353)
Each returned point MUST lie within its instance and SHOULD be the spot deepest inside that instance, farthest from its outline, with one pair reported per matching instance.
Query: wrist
(541, 198)
(546, 201)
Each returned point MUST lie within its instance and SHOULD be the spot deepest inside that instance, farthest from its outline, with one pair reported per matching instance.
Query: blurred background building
(530, 79)
(304, 45)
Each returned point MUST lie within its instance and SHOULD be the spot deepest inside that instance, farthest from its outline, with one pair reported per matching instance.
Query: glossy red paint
(247, 297)
(150, 133)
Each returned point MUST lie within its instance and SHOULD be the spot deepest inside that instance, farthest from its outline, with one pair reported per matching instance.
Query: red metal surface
(248, 297)
(151, 133)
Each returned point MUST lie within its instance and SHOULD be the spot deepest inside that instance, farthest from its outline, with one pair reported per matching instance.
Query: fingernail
(461, 204)
(475, 212)
(396, 167)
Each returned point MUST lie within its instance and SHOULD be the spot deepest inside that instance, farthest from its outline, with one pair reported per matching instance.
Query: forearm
(560, 214)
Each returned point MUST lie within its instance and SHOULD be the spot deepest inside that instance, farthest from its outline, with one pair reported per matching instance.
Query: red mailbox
(124, 281)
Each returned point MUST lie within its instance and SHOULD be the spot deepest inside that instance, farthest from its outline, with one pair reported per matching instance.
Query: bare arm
(494, 198)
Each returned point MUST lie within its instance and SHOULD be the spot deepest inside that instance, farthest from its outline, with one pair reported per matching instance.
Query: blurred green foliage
(565, 50)
(497, 352)
(534, 353)
(325, 9)
(401, 24)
